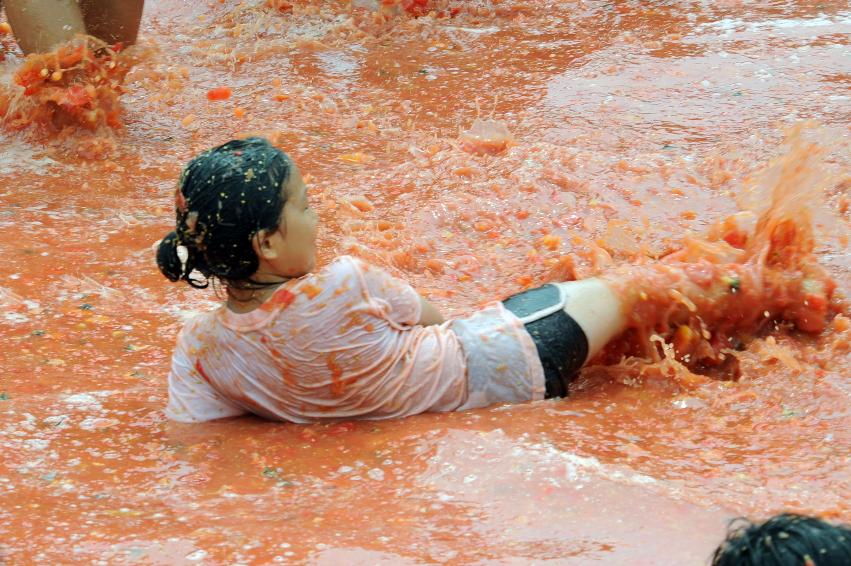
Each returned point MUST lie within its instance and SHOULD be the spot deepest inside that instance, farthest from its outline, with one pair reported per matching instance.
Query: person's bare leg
(113, 21)
(594, 315)
(596, 308)
(39, 25)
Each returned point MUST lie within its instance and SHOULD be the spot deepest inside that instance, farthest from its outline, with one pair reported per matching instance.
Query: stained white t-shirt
(343, 344)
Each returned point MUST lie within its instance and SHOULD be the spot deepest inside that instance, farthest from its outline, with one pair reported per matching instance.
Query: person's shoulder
(343, 265)
(344, 273)
(346, 260)
(357, 264)
(198, 323)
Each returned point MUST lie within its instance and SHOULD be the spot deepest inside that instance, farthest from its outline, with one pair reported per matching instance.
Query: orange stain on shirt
(272, 350)
(280, 361)
(338, 384)
(284, 368)
(201, 371)
(282, 298)
(287, 374)
(355, 319)
(312, 291)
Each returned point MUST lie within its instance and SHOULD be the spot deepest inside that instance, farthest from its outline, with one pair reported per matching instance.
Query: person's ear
(262, 244)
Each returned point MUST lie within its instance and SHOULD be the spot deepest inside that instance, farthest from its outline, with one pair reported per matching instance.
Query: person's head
(785, 540)
(242, 218)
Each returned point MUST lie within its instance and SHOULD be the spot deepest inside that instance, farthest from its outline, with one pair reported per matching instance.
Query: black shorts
(561, 342)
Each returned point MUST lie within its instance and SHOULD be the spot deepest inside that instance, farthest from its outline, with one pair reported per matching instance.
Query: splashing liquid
(73, 89)
(691, 312)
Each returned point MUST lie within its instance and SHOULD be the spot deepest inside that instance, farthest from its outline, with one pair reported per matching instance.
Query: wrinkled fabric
(339, 344)
(502, 361)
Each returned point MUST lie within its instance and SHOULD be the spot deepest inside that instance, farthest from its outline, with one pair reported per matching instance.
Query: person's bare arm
(39, 25)
(430, 315)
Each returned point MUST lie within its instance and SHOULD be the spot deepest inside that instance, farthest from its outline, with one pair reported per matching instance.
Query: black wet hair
(787, 539)
(225, 196)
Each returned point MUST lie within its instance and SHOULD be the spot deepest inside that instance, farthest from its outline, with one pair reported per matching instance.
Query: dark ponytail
(168, 260)
(225, 196)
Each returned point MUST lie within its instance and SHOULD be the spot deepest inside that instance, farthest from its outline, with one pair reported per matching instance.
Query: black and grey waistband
(562, 344)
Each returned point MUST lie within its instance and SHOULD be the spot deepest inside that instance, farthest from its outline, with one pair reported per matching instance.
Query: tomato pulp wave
(74, 88)
(692, 311)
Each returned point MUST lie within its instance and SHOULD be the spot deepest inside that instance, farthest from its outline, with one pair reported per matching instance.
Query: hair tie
(183, 256)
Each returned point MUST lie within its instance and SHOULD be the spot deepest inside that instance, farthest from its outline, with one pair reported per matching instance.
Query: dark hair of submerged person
(785, 540)
(225, 196)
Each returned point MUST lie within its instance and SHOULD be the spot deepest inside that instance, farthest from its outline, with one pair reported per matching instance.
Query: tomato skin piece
(67, 60)
(219, 93)
(77, 96)
(280, 5)
(28, 78)
(113, 120)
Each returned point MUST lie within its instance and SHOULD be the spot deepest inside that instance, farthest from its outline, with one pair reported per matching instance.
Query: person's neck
(246, 300)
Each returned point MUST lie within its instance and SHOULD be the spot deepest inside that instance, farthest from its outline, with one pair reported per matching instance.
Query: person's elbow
(429, 315)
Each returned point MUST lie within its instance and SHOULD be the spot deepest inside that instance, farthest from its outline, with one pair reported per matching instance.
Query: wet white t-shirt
(343, 344)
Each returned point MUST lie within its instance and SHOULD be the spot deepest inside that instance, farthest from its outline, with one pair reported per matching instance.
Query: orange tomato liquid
(632, 132)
